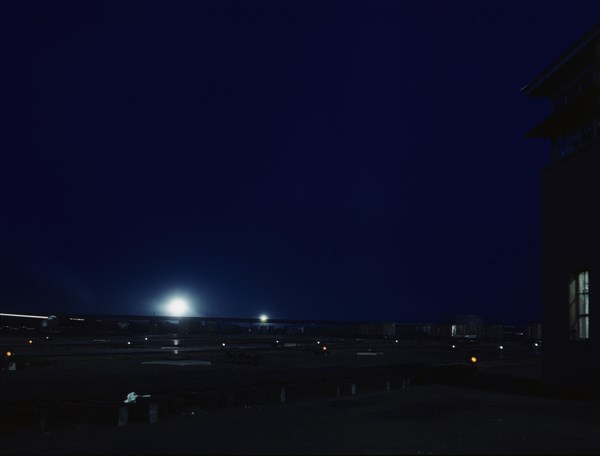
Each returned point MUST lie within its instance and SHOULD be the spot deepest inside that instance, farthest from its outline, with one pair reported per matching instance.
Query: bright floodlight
(263, 318)
(177, 307)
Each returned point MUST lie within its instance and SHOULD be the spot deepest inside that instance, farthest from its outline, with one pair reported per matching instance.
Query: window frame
(579, 305)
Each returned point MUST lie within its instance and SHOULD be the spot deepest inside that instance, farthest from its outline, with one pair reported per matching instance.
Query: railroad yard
(288, 395)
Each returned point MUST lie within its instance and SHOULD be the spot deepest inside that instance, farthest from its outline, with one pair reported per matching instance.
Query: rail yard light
(178, 306)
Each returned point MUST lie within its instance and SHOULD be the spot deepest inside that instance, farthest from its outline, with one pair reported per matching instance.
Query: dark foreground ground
(501, 409)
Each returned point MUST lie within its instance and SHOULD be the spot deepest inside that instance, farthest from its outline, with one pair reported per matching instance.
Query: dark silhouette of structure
(570, 187)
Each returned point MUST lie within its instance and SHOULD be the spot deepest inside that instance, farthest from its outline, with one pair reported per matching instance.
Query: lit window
(579, 306)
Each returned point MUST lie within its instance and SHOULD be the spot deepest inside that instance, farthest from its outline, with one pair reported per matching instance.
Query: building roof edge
(583, 41)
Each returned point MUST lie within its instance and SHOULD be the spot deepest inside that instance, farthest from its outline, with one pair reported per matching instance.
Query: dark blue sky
(344, 160)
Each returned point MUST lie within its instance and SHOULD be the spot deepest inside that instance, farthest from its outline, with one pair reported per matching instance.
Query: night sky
(318, 160)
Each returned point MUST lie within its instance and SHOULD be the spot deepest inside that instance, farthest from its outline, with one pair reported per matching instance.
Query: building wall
(493, 332)
(377, 329)
(570, 238)
(534, 331)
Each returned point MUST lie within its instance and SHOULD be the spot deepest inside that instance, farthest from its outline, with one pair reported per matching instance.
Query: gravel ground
(431, 419)
(503, 412)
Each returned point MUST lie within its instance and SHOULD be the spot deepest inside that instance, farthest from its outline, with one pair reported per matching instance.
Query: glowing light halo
(178, 306)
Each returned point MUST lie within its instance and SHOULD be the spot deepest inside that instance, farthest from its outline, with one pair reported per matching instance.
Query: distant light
(223, 344)
(30, 341)
(536, 344)
(178, 306)
(501, 347)
(324, 347)
(128, 343)
(473, 359)
(453, 346)
(25, 316)
(8, 354)
(77, 319)
(396, 340)
(145, 338)
(263, 318)
(319, 342)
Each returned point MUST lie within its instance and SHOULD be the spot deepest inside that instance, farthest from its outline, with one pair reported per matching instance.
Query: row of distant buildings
(463, 326)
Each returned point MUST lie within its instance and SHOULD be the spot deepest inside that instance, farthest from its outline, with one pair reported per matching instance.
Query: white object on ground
(131, 397)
